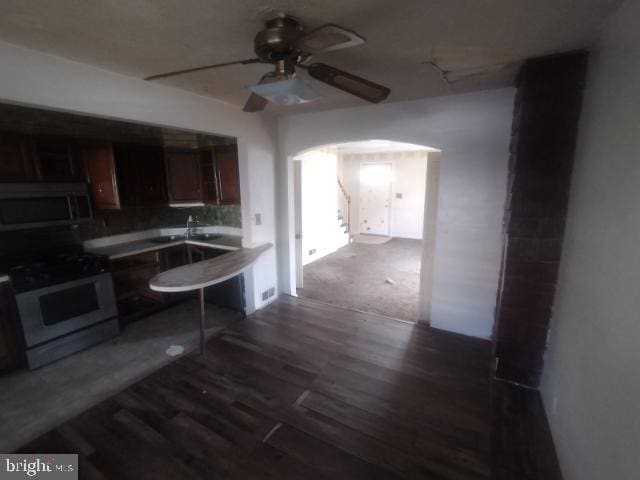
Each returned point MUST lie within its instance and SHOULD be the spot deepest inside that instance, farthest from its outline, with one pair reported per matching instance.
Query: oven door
(57, 310)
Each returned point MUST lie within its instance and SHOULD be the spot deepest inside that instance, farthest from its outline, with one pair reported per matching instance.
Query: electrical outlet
(398, 195)
(258, 219)
(272, 292)
(312, 251)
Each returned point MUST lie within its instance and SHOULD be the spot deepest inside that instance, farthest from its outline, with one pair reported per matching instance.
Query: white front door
(375, 198)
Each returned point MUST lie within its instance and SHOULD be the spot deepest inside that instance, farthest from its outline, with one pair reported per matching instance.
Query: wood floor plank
(334, 462)
(521, 438)
(267, 462)
(413, 440)
(301, 389)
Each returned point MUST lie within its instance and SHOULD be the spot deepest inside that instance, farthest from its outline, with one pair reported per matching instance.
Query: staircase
(342, 231)
(344, 223)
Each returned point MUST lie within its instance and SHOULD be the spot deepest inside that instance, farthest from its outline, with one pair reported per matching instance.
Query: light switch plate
(258, 219)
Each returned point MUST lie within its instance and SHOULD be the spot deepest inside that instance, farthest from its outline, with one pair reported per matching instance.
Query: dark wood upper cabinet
(101, 175)
(184, 179)
(152, 185)
(39, 159)
(140, 173)
(16, 162)
(209, 177)
(57, 160)
(226, 158)
(221, 179)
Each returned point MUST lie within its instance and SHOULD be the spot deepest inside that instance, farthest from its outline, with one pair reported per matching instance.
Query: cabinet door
(102, 176)
(131, 277)
(209, 176)
(141, 177)
(184, 182)
(56, 160)
(151, 175)
(173, 257)
(9, 346)
(228, 174)
(15, 160)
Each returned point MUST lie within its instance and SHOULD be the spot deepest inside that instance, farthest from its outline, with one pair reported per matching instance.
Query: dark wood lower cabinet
(131, 277)
(173, 257)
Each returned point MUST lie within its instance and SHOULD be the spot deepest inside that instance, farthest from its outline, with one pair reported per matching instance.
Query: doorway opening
(365, 222)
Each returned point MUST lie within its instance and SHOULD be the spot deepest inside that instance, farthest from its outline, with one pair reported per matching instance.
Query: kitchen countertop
(208, 272)
(223, 242)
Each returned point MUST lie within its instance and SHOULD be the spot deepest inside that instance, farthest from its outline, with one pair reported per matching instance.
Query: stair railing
(347, 199)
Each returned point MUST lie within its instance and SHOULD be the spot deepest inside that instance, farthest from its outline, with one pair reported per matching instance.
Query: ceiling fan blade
(360, 87)
(255, 103)
(328, 38)
(205, 67)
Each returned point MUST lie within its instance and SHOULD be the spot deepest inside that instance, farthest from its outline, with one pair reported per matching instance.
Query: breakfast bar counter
(198, 276)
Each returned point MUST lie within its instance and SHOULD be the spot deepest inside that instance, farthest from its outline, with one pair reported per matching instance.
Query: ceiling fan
(284, 44)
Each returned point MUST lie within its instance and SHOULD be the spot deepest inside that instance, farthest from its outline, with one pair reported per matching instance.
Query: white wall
(33, 78)
(594, 354)
(409, 179)
(319, 201)
(473, 131)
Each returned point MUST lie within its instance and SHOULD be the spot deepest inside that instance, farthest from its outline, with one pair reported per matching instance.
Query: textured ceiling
(144, 37)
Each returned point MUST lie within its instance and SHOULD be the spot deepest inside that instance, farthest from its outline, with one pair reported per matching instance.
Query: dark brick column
(545, 123)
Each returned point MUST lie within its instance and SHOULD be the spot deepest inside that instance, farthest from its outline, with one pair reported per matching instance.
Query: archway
(364, 218)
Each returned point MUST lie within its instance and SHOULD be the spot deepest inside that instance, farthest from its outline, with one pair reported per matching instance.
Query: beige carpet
(356, 276)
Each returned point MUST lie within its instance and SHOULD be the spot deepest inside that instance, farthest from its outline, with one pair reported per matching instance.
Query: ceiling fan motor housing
(279, 39)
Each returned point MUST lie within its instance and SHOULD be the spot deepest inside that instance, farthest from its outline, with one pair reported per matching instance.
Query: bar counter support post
(202, 318)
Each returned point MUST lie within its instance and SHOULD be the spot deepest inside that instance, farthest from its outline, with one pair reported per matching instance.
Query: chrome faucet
(192, 226)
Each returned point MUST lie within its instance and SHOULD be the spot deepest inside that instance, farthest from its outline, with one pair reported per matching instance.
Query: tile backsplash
(130, 219)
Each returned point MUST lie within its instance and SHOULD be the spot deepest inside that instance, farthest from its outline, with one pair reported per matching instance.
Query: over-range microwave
(34, 205)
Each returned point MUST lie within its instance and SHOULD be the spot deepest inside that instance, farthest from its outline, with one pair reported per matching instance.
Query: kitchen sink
(168, 239)
(205, 236)
(177, 238)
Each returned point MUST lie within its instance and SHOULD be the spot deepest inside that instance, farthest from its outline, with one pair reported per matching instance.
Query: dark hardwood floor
(303, 390)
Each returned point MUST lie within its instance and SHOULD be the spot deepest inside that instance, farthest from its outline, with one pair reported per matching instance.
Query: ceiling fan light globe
(286, 92)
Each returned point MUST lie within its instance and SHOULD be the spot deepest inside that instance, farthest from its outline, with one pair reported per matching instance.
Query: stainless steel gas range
(65, 303)
(65, 297)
